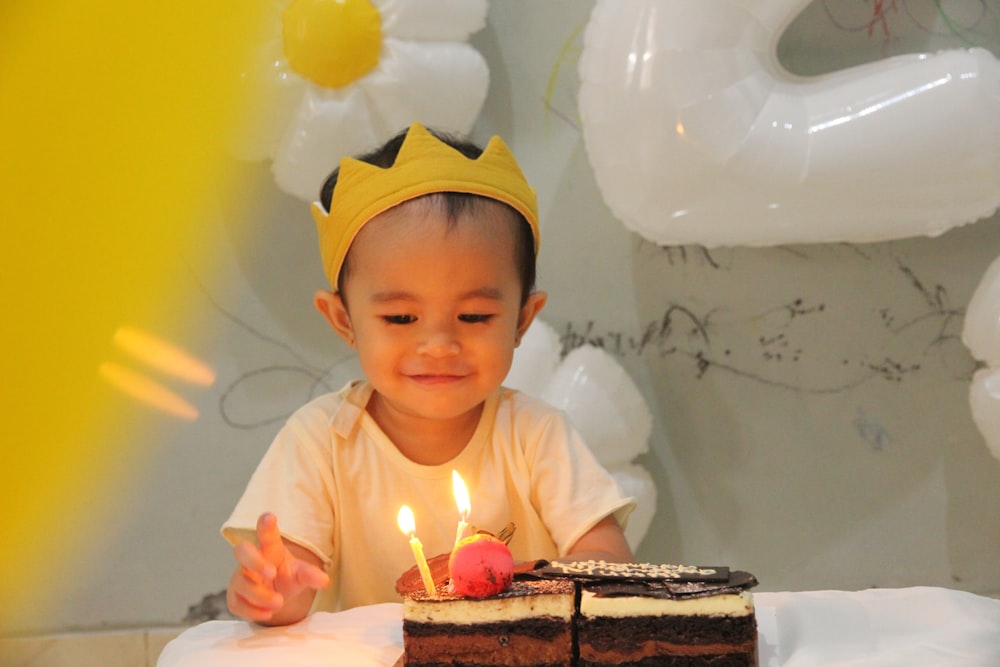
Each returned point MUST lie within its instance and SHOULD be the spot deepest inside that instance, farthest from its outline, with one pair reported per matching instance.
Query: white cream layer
(468, 612)
(730, 604)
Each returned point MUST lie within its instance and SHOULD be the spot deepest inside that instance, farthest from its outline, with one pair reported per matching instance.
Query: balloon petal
(981, 330)
(603, 404)
(635, 481)
(328, 126)
(434, 20)
(687, 94)
(399, 89)
(535, 360)
(984, 398)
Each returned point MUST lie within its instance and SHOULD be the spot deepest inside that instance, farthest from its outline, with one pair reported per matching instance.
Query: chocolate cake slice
(643, 614)
(528, 624)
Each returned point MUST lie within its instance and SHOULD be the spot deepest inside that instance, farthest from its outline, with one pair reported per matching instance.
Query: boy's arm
(605, 541)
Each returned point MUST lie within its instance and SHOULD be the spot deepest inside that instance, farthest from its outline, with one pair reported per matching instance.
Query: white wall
(811, 420)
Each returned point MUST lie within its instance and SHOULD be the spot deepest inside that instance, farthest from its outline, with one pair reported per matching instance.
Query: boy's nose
(439, 341)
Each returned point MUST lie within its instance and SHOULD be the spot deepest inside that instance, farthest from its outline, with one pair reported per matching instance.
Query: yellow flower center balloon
(332, 42)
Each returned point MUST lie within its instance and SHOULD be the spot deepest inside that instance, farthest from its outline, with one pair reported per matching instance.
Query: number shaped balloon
(697, 135)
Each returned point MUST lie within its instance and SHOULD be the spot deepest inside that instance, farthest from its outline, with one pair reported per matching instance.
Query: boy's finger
(269, 538)
(253, 563)
(307, 574)
(258, 605)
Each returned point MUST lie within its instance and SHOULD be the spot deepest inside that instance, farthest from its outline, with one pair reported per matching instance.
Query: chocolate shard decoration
(648, 580)
(634, 571)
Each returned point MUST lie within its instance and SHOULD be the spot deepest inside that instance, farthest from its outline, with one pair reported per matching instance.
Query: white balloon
(697, 135)
(328, 125)
(426, 72)
(636, 481)
(603, 404)
(535, 360)
(984, 397)
(441, 85)
(981, 329)
(981, 334)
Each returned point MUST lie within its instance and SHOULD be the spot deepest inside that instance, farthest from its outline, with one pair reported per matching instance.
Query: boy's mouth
(436, 378)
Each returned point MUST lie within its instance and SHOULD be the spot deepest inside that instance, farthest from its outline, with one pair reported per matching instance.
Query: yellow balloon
(332, 42)
(112, 128)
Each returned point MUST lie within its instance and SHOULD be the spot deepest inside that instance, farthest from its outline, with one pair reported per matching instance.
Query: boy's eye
(474, 318)
(399, 319)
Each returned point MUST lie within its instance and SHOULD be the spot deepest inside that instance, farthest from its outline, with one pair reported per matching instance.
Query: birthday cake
(590, 614)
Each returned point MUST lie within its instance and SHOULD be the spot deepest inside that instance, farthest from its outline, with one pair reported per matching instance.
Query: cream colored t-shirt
(336, 483)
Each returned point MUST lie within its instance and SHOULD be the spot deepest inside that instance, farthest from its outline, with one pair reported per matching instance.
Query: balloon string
(952, 26)
(564, 57)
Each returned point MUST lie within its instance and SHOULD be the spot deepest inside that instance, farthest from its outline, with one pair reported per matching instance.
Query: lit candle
(464, 506)
(408, 525)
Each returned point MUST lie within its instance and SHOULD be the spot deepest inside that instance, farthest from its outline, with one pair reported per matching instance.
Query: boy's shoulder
(345, 404)
(325, 400)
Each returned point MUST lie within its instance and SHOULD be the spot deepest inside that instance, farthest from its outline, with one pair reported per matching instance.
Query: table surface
(920, 626)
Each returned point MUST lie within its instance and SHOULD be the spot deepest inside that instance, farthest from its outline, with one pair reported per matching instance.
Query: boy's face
(434, 308)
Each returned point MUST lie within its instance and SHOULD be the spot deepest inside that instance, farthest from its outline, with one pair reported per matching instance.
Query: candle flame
(461, 494)
(406, 522)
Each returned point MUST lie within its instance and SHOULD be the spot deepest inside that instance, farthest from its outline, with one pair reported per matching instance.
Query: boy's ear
(534, 304)
(331, 306)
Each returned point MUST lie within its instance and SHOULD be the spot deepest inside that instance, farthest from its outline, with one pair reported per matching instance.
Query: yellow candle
(408, 525)
(464, 505)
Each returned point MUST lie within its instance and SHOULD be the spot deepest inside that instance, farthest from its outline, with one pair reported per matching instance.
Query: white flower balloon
(981, 329)
(337, 78)
(535, 360)
(981, 334)
(698, 136)
(603, 404)
(984, 399)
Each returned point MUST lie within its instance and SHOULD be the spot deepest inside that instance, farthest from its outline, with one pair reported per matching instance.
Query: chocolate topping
(601, 570)
(648, 580)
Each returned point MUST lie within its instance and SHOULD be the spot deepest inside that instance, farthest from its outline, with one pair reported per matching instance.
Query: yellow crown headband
(423, 166)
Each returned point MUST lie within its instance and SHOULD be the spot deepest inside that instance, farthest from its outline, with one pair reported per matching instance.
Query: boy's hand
(275, 581)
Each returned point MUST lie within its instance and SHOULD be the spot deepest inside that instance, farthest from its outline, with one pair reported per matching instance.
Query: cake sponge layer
(522, 600)
(730, 604)
(528, 625)
(636, 631)
(520, 643)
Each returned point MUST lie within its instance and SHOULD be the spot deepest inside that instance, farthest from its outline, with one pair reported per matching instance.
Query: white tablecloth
(903, 627)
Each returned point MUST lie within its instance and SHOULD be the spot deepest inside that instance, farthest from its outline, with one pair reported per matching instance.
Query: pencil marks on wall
(865, 30)
(281, 378)
(784, 332)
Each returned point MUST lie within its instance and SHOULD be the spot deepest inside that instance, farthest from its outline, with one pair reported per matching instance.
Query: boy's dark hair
(456, 203)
